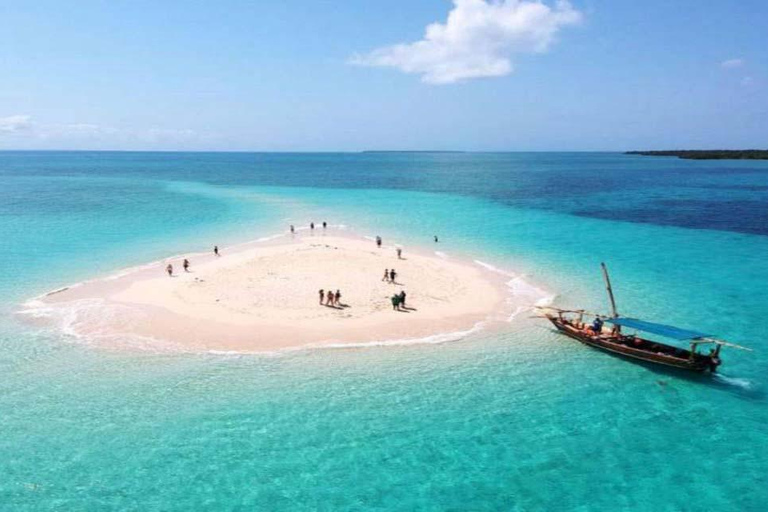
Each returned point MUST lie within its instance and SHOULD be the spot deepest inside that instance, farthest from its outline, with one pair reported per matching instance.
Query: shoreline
(113, 311)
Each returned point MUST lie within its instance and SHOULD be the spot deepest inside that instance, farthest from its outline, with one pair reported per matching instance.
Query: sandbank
(264, 297)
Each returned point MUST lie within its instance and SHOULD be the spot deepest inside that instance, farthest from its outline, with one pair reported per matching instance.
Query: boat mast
(610, 290)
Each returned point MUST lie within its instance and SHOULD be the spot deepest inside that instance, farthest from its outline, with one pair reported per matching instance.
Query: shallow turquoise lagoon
(518, 420)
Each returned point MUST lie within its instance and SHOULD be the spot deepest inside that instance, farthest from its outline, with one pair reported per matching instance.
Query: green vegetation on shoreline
(714, 154)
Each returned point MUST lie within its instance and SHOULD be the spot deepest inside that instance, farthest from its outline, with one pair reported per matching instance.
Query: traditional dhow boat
(612, 338)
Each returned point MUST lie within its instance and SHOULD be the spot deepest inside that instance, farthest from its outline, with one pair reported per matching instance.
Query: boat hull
(698, 364)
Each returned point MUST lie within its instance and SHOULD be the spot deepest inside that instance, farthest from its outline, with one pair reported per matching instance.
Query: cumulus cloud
(15, 124)
(732, 63)
(477, 40)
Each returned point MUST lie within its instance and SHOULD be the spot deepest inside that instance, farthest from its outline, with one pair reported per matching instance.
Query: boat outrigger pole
(610, 290)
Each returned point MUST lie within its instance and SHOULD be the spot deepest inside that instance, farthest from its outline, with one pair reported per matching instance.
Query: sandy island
(264, 297)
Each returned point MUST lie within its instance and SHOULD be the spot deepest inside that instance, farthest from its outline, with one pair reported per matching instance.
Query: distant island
(714, 154)
(411, 151)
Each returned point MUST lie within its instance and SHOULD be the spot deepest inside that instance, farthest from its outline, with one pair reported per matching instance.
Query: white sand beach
(264, 297)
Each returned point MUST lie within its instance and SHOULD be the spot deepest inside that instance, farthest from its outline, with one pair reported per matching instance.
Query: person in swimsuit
(322, 296)
(169, 269)
(399, 253)
(392, 275)
(216, 250)
(386, 275)
(329, 298)
(337, 298)
(186, 265)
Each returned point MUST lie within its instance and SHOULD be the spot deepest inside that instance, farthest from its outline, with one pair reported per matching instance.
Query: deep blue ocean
(523, 419)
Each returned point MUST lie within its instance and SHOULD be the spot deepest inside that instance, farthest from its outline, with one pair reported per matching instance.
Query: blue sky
(318, 75)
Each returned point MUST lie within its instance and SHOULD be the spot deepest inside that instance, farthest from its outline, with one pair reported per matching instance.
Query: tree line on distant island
(714, 154)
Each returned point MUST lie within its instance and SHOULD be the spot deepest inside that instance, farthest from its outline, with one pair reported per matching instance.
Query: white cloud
(15, 124)
(23, 129)
(477, 40)
(732, 63)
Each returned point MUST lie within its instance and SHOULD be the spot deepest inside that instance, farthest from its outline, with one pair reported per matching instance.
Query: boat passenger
(597, 325)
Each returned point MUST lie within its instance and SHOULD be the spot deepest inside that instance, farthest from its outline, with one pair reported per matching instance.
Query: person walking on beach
(402, 298)
(169, 269)
(186, 265)
(399, 253)
(322, 296)
(386, 275)
(392, 275)
(216, 250)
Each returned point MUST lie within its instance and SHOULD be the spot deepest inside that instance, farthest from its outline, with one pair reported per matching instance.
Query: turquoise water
(518, 420)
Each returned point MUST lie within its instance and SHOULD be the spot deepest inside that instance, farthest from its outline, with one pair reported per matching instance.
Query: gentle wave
(521, 289)
(69, 317)
(434, 339)
(735, 381)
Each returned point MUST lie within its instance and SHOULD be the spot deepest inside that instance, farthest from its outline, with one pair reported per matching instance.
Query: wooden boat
(611, 338)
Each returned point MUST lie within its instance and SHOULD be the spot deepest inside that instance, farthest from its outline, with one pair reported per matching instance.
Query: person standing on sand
(186, 265)
(402, 298)
(386, 275)
(399, 253)
(325, 224)
(322, 296)
(396, 302)
(312, 226)
(293, 230)
(216, 250)
(337, 298)
(378, 242)
(329, 298)
(392, 275)
(169, 269)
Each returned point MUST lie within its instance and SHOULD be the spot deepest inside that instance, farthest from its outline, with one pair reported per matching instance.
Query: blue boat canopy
(660, 329)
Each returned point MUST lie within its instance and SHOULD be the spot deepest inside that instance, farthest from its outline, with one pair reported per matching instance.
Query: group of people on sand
(330, 298)
(398, 301)
(169, 267)
(311, 227)
(389, 276)
(186, 264)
